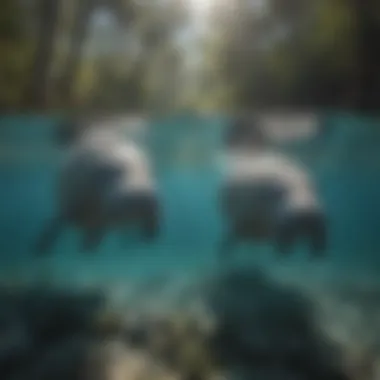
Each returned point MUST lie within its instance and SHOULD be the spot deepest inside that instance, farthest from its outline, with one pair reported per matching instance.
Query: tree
(16, 49)
(36, 91)
(48, 67)
(367, 24)
(319, 53)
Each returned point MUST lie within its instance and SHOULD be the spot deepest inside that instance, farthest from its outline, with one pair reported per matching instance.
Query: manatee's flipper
(285, 236)
(48, 236)
(309, 225)
(92, 238)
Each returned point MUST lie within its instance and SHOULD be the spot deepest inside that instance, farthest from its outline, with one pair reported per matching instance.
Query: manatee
(105, 182)
(245, 130)
(266, 196)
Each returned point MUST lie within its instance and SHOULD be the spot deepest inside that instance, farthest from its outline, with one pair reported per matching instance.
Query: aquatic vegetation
(108, 324)
(180, 343)
(263, 330)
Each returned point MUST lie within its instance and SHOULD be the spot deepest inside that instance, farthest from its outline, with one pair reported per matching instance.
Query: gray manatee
(245, 131)
(268, 197)
(105, 182)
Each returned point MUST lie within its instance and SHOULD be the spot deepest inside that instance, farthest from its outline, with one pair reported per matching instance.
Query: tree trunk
(36, 91)
(77, 40)
(368, 56)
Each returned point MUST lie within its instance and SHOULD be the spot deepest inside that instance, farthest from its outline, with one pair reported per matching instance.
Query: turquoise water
(345, 164)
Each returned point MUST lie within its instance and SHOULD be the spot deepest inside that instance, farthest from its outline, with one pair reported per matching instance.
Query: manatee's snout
(308, 225)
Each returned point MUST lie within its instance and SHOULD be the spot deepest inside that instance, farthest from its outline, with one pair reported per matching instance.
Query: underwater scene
(170, 307)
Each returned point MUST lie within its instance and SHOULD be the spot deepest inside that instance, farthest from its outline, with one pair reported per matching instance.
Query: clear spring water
(346, 166)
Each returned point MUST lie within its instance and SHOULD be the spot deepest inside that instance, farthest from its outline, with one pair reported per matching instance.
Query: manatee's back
(258, 182)
(101, 163)
(138, 172)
